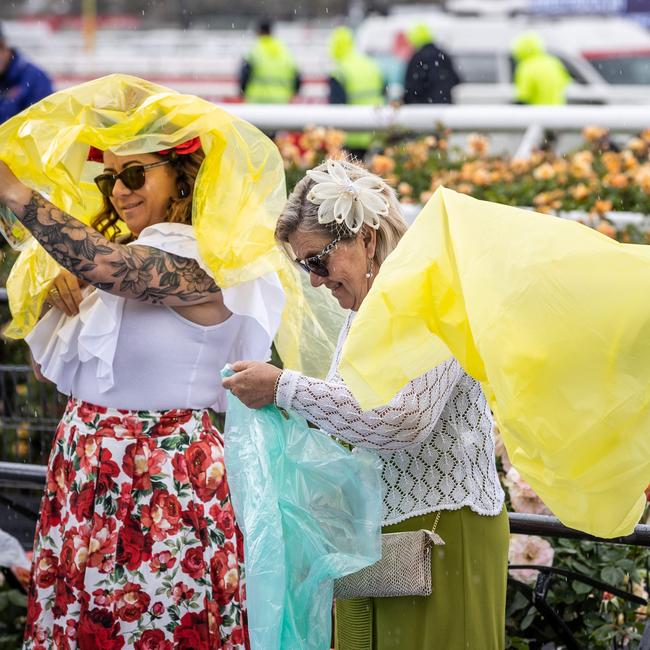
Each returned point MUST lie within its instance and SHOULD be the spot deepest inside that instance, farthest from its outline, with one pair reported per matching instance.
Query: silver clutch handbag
(403, 570)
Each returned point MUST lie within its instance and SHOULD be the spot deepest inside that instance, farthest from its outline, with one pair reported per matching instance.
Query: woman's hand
(253, 382)
(12, 192)
(65, 293)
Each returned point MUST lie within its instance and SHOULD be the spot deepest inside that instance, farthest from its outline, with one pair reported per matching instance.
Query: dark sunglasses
(315, 263)
(132, 177)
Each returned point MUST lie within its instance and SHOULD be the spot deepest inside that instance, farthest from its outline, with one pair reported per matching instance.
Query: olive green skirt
(466, 609)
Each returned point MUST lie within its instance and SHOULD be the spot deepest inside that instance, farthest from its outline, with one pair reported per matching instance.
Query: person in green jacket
(268, 74)
(540, 78)
(357, 80)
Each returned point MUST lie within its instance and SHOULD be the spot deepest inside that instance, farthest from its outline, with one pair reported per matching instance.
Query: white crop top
(123, 353)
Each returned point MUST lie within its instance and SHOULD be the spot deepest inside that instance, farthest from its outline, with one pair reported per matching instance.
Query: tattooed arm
(137, 272)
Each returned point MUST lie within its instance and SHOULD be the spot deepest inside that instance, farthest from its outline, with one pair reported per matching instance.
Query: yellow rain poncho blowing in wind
(552, 318)
(239, 193)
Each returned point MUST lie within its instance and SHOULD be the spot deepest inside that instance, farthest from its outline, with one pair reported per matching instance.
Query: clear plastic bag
(310, 512)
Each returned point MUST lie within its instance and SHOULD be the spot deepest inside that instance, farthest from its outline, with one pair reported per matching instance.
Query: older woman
(434, 437)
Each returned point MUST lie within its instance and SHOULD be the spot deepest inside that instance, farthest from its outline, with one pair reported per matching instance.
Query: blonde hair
(300, 213)
(179, 210)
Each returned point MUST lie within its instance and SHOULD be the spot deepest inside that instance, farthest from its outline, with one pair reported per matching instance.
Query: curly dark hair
(179, 210)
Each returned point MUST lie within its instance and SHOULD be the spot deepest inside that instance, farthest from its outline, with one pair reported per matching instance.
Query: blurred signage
(638, 10)
(578, 6)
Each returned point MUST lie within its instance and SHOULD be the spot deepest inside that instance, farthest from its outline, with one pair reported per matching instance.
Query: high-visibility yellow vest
(363, 83)
(361, 79)
(273, 73)
(540, 78)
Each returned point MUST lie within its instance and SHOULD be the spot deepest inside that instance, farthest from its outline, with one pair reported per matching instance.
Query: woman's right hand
(65, 293)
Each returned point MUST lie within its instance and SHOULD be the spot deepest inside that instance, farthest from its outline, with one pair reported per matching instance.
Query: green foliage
(596, 619)
(13, 609)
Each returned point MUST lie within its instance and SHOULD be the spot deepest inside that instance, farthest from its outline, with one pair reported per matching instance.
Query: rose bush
(599, 177)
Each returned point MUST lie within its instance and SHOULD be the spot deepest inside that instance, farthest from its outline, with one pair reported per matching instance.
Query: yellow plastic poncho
(239, 193)
(552, 318)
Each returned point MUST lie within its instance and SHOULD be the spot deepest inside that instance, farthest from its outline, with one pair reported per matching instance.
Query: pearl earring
(369, 273)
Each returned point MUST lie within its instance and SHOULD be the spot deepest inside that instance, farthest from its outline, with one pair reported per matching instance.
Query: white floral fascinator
(342, 200)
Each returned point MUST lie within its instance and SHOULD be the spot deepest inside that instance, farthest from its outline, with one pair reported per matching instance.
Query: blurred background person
(356, 80)
(269, 74)
(540, 78)
(21, 82)
(430, 73)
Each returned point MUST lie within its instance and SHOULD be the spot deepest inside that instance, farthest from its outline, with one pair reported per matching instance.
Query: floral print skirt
(137, 545)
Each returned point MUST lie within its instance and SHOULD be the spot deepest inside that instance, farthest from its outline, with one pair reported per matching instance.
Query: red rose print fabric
(137, 545)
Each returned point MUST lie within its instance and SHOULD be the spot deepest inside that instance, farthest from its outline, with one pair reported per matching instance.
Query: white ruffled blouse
(123, 353)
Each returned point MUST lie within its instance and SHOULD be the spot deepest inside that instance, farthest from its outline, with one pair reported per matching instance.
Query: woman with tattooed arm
(137, 545)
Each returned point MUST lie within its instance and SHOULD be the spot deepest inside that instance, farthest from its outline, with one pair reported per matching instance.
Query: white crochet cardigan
(434, 437)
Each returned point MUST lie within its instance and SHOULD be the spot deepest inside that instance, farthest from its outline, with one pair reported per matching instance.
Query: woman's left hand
(253, 382)
(12, 191)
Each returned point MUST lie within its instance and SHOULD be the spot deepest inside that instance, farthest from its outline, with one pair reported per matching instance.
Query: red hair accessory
(95, 155)
(182, 149)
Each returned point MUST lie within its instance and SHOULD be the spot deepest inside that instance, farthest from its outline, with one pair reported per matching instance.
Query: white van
(607, 57)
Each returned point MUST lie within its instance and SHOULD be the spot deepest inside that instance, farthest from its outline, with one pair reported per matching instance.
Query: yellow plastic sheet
(239, 193)
(552, 317)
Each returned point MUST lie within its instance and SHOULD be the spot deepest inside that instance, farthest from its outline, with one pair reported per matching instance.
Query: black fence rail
(538, 595)
(546, 526)
(29, 413)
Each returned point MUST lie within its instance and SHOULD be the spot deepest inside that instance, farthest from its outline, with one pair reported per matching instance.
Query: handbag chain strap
(436, 540)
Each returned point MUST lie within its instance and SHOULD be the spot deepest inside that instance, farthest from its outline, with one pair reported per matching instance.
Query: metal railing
(546, 526)
(423, 119)
(532, 122)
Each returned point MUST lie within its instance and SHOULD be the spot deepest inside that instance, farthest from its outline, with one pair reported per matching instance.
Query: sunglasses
(132, 177)
(315, 263)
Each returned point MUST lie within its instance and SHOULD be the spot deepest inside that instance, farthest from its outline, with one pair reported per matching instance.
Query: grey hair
(301, 213)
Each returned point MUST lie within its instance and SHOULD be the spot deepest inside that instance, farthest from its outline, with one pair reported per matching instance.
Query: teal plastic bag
(310, 512)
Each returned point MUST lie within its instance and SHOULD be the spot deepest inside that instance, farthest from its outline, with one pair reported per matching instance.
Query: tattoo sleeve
(137, 272)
